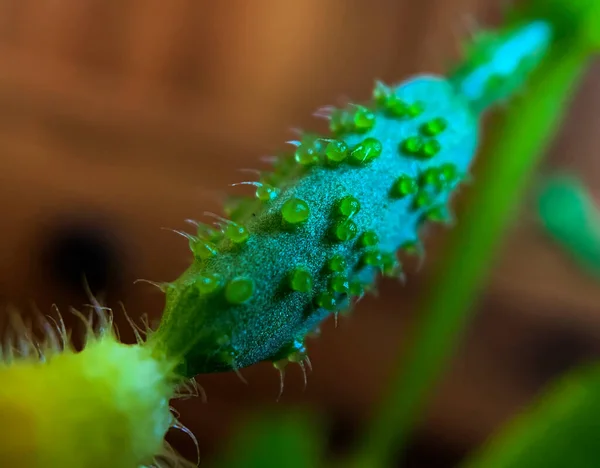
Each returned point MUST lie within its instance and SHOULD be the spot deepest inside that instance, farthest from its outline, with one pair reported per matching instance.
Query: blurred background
(119, 118)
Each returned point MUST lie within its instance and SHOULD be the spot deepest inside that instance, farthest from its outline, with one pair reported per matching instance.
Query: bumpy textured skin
(265, 281)
(273, 322)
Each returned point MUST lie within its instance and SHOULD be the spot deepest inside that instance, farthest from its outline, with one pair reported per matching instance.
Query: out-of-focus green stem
(569, 215)
(516, 143)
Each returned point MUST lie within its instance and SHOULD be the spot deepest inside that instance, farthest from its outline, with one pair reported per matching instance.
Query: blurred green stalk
(569, 215)
(516, 143)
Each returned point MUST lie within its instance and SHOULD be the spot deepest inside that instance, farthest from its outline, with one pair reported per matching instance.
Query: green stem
(518, 142)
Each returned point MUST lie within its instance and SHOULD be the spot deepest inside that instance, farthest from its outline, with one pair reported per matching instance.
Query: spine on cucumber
(332, 216)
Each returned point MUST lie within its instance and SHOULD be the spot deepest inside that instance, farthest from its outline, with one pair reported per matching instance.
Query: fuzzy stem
(516, 145)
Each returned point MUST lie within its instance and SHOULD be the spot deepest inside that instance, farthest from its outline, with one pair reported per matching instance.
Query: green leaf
(561, 431)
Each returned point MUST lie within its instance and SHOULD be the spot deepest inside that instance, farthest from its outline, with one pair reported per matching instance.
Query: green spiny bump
(415, 109)
(431, 177)
(301, 280)
(430, 148)
(396, 106)
(337, 263)
(345, 230)
(366, 151)
(381, 93)
(339, 284)
(336, 125)
(364, 119)
(373, 258)
(412, 145)
(203, 250)
(437, 214)
(284, 166)
(448, 173)
(356, 288)
(405, 185)
(390, 264)
(281, 364)
(336, 151)
(348, 206)
(341, 122)
(299, 347)
(440, 178)
(317, 142)
(166, 287)
(423, 199)
(266, 192)
(228, 353)
(411, 247)
(297, 356)
(295, 211)
(239, 290)
(295, 351)
(224, 341)
(307, 155)
(434, 127)
(228, 357)
(236, 233)
(232, 203)
(209, 233)
(236, 208)
(369, 239)
(209, 283)
(327, 301)
(273, 178)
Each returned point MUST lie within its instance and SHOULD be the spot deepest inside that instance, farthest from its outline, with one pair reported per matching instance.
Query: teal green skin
(500, 63)
(214, 333)
(333, 215)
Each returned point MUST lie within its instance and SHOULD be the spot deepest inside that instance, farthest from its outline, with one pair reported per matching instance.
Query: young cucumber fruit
(323, 225)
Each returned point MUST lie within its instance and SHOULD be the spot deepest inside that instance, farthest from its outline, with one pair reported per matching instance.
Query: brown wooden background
(120, 117)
